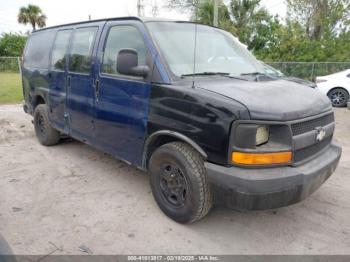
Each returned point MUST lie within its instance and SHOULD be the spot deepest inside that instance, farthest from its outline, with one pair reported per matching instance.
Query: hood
(278, 100)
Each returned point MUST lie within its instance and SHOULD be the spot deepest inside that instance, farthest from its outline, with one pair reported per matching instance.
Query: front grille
(307, 152)
(307, 126)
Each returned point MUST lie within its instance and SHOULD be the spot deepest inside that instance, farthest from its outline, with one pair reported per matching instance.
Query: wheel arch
(163, 137)
(38, 99)
(338, 87)
(39, 96)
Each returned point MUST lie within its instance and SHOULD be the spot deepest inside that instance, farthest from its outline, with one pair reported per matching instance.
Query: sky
(68, 11)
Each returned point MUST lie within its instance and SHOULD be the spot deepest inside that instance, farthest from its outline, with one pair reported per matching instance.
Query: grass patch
(10, 88)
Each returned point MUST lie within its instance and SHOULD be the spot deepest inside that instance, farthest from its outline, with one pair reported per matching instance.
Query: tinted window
(121, 37)
(38, 50)
(82, 45)
(59, 51)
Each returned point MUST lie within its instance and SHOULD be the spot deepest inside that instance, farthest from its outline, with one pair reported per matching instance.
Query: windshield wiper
(215, 74)
(257, 75)
(254, 74)
(207, 74)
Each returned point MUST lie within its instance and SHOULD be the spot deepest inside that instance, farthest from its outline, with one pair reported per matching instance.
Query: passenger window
(81, 50)
(59, 51)
(121, 37)
(38, 50)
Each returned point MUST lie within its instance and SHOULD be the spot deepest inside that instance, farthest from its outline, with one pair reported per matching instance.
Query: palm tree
(32, 15)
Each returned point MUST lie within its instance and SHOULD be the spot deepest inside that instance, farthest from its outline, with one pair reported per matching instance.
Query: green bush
(9, 64)
(12, 44)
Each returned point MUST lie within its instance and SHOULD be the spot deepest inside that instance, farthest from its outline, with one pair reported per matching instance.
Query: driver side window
(121, 37)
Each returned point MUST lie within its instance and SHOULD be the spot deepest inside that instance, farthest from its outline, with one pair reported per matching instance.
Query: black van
(186, 102)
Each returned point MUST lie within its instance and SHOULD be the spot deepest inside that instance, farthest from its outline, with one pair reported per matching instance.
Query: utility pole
(215, 17)
(139, 8)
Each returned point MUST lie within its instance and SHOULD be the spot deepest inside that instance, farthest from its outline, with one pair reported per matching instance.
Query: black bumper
(269, 188)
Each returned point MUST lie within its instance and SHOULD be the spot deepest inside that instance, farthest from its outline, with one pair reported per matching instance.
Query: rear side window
(81, 50)
(38, 50)
(59, 50)
(121, 37)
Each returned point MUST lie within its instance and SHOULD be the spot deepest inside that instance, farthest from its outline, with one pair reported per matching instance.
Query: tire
(46, 134)
(5, 251)
(339, 97)
(179, 183)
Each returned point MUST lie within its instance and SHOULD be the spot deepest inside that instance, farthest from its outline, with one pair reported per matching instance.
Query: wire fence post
(313, 71)
(19, 66)
(215, 17)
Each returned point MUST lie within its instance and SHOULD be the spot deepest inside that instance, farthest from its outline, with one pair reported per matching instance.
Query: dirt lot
(72, 197)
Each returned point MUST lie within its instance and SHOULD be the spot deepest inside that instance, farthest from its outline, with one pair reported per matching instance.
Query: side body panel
(81, 94)
(35, 77)
(122, 102)
(57, 98)
(201, 116)
(58, 86)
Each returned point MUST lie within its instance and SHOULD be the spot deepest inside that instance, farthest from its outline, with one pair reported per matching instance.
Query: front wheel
(46, 134)
(179, 183)
(339, 97)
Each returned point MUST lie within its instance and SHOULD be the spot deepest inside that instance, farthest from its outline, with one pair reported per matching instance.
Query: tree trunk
(33, 25)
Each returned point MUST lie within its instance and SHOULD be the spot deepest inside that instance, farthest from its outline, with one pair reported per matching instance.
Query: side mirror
(127, 63)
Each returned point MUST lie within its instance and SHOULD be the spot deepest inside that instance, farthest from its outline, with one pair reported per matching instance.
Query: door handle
(68, 81)
(97, 87)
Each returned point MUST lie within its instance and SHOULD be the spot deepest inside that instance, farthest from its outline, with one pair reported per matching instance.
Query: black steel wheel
(339, 97)
(41, 125)
(6, 254)
(173, 184)
(46, 134)
(179, 183)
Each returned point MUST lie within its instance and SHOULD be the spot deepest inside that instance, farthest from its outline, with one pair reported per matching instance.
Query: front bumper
(269, 188)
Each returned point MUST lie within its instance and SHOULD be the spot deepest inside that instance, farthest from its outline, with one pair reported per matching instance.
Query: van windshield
(217, 51)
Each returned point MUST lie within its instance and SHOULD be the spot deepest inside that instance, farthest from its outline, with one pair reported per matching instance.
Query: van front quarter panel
(201, 116)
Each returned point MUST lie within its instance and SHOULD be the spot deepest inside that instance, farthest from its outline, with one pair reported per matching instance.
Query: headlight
(262, 135)
(261, 144)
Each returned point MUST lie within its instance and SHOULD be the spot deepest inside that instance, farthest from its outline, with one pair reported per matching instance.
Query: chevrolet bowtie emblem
(321, 134)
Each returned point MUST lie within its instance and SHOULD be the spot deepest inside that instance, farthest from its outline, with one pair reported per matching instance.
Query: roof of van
(142, 19)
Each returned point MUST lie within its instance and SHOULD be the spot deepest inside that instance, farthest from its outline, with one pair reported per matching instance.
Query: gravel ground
(73, 199)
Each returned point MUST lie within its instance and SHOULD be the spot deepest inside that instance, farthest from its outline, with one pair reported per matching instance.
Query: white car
(336, 87)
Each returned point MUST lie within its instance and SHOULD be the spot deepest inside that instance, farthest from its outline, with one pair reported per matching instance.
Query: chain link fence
(310, 71)
(10, 80)
(11, 86)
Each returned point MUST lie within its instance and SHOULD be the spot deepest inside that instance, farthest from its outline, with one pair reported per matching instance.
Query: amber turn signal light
(261, 159)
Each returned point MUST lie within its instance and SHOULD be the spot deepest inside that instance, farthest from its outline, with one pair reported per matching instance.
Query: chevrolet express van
(185, 102)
